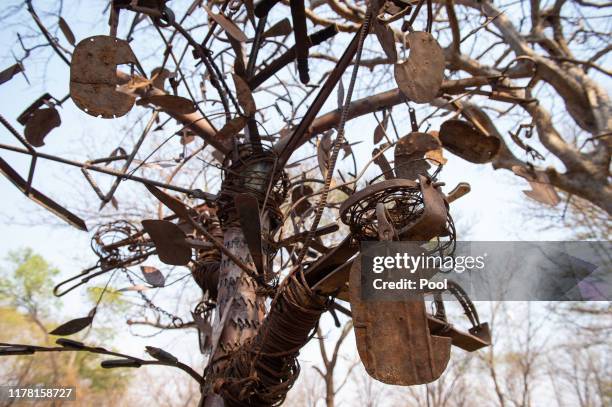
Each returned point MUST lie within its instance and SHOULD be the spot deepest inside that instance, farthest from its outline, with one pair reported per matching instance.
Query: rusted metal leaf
(248, 213)
(460, 190)
(9, 72)
(381, 128)
(244, 95)
(93, 76)
(40, 198)
(383, 164)
(409, 154)
(75, 325)
(296, 194)
(170, 202)
(40, 123)
(281, 28)
(153, 276)
(169, 241)
(324, 146)
(229, 27)
(420, 76)
(541, 188)
(161, 355)
(169, 103)
(63, 25)
(464, 140)
(386, 38)
(159, 76)
(384, 327)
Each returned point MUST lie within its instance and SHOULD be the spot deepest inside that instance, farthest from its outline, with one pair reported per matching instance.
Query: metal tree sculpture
(258, 237)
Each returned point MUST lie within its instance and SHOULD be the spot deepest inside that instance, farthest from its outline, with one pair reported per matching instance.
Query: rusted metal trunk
(242, 310)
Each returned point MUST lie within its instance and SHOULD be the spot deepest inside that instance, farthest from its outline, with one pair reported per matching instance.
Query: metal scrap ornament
(420, 76)
(93, 76)
(466, 141)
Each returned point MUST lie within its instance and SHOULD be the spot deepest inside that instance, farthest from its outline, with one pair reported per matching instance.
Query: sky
(494, 210)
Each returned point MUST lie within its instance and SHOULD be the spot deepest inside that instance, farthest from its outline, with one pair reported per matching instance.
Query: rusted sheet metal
(432, 222)
(466, 141)
(93, 78)
(41, 198)
(469, 341)
(393, 338)
(169, 241)
(460, 190)
(248, 213)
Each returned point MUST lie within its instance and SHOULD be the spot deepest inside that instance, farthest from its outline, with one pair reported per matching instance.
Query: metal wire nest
(252, 169)
(117, 242)
(402, 198)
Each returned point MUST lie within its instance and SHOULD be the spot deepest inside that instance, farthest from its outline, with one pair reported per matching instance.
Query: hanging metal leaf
(420, 76)
(153, 276)
(281, 28)
(245, 97)
(340, 94)
(93, 76)
(68, 34)
(248, 214)
(75, 325)
(296, 194)
(159, 76)
(161, 355)
(541, 188)
(169, 241)
(169, 201)
(381, 128)
(169, 103)
(437, 155)
(466, 141)
(9, 72)
(229, 27)
(409, 154)
(324, 146)
(40, 123)
(386, 38)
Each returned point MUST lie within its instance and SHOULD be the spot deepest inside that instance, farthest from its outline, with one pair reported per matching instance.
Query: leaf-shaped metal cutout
(161, 355)
(169, 201)
(386, 38)
(420, 76)
(245, 97)
(153, 276)
(228, 25)
(541, 188)
(63, 25)
(40, 123)
(381, 128)
(248, 213)
(75, 325)
(296, 194)
(466, 141)
(9, 72)
(281, 28)
(169, 241)
(324, 146)
(159, 76)
(409, 154)
(169, 103)
(93, 76)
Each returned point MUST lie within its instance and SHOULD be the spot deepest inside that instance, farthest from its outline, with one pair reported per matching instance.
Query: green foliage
(28, 311)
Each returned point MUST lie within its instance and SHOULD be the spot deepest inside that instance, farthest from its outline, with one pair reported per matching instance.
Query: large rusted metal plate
(410, 154)
(393, 338)
(420, 76)
(466, 141)
(93, 76)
